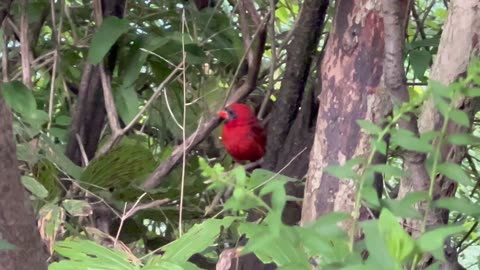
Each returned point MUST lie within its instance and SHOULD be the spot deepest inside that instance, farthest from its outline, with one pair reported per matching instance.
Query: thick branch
(4, 9)
(300, 51)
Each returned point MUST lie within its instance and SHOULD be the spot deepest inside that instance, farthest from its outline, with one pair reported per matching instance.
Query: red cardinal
(242, 134)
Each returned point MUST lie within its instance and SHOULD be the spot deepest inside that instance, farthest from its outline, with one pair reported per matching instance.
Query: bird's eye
(231, 114)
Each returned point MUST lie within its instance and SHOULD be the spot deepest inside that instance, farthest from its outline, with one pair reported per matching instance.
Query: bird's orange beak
(223, 114)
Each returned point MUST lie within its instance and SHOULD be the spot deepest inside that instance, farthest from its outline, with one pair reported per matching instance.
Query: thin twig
(117, 136)
(184, 136)
(82, 150)
(112, 114)
(24, 46)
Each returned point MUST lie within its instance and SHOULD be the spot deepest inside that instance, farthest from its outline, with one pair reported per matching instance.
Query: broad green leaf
(370, 195)
(434, 239)
(32, 185)
(325, 237)
(77, 208)
(472, 92)
(455, 173)
(388, 170)
(167, 265)
(19, 98)
(87, 255)
(282, 248)
(260, 176)
(463, 139)
(56, 155)
(107, 34)
(369, 127)
(420, 60)
(400, 245)
(410, 142)
(440, 90)
(460, 117)
(5, 245)
(379, 145)
(127, 103)
(197, 239)
(377, 248)
(63, 120)
(460, 205)
(405, 207)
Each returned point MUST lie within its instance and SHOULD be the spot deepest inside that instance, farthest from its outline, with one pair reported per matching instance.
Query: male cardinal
(243, 136)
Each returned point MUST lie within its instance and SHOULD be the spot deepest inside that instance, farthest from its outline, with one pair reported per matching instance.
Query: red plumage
(243, 136)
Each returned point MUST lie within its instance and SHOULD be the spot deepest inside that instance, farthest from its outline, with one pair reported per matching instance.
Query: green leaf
(460, 205)
(5, 245)
(77, 208)
(455, 173)
(377, 248)
(345, 171)
(56, 155)
(369, 127)
(463, 139)
(19, 98)
(410, 142)
(167, 265)
(420, 60)
(32, 185)
(472, 92)
(87, 255)
(197, 239)
(283, 247)
(107, 34)
(260, 176)
(388, 170)
(440, 90)
(460, 117)
(370, 195)
(434, 239)
(127, 103)
(399, 244)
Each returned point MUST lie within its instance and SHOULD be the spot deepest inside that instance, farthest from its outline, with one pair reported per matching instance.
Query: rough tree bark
(17, 221)
(351, 73)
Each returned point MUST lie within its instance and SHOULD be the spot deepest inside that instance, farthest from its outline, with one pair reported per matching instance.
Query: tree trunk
(17, 221)
(351, 73)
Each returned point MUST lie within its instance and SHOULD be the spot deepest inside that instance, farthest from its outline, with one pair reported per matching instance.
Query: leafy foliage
(150, 42)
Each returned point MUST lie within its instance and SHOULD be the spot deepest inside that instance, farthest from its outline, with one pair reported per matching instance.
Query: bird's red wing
(259, 135)
(260, 139)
